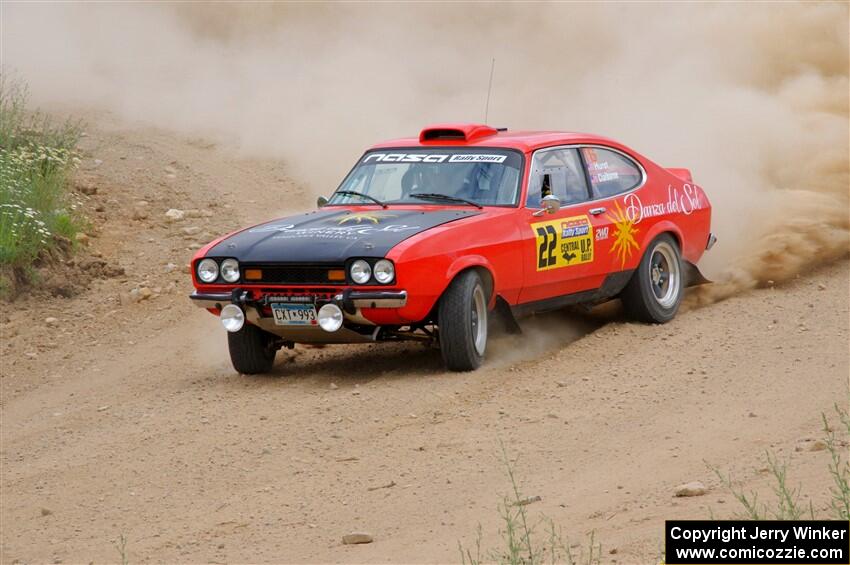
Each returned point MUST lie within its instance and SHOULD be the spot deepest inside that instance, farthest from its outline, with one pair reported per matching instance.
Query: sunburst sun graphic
(360, 218)
(624, 238)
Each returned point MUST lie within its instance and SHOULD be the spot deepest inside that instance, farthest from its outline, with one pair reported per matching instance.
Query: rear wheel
(462, 320)
(252, 350)
(655, 290)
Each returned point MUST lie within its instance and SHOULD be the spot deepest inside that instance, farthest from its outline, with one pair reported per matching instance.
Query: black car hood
(331, 235)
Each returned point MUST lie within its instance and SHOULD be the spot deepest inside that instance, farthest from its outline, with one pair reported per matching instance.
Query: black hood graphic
(331, 235)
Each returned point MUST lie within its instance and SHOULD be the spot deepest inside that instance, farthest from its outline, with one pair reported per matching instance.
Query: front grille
(292, 274)
(268, 296)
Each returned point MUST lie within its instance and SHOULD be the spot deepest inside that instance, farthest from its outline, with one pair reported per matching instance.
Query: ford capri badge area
(432, 238)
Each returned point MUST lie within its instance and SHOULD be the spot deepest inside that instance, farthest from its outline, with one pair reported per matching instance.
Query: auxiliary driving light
(330, 317)
(232, 318)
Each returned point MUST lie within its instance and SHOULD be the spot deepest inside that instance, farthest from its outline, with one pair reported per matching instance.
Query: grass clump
(785, 507)
(36, 160)
(839, 468)
(121, 546)
(523, 541)
(786, 503)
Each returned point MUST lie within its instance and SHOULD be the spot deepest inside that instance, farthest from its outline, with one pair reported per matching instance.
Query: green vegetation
(36, 160)
(121, 546)
(786, 502)
(785, 507)
(524, 544)
(838, 468)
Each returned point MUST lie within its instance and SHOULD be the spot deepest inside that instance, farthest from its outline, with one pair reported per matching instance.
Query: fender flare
(468, 261)
(692, 274)
(664, 226)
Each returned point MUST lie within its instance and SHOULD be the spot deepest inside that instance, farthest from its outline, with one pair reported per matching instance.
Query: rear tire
(655, 290)
(462, 322)
(251, 350)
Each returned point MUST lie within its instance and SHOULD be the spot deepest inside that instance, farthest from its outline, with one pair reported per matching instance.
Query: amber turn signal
(253, 274)
(336, 275)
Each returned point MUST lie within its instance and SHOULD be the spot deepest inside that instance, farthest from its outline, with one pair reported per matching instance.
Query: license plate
(294, 314)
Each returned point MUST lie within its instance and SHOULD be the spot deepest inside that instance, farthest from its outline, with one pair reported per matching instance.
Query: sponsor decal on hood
(331, 235)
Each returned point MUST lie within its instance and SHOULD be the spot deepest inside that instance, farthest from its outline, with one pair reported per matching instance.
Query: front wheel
(654, 292)
(252, 350)
(462, 321)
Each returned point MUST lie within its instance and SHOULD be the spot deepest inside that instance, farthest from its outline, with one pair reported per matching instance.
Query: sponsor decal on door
(565, 242)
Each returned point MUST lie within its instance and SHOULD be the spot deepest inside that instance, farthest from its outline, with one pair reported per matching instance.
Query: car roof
(480, 135)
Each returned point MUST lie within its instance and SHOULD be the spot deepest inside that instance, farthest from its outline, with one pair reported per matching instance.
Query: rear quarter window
(610, 173)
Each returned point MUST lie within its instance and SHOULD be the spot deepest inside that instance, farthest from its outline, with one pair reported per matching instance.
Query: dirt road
(123, 417)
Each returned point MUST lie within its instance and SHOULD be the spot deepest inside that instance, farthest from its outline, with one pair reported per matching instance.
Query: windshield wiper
(446, 197)
(362, 195)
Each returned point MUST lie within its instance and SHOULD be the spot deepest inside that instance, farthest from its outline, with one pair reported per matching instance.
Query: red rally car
(430, 238)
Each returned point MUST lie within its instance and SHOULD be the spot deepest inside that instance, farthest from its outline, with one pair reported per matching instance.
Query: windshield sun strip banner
(433, 158)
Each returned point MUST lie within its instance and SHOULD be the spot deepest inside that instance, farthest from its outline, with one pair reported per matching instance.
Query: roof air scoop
(456, 132)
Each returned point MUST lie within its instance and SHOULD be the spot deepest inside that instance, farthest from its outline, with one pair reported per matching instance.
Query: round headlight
(384, 271)
(230, 270)
(361, 272)
(207, 270)
(330, 317)
(232, 318)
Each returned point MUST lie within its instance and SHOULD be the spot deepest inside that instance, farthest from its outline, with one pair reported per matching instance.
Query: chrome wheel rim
(664, 275)
(478, 317)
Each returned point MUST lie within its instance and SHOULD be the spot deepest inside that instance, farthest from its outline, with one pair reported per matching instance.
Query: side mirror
(321, 201)
(549, 204)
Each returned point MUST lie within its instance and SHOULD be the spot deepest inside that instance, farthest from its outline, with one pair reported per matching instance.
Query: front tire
(462, 322)
(251, 350)
(655, 290)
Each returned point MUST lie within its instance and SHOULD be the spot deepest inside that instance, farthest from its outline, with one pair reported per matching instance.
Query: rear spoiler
(684, 174)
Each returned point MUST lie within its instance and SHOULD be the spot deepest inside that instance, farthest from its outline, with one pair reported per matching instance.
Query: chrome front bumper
(374, 299)
(348, 300)
(211, 299)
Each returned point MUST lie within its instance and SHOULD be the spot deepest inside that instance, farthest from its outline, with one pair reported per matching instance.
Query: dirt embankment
(122, 416)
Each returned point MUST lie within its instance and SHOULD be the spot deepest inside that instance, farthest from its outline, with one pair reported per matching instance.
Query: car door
(560, 249)
(613, 177)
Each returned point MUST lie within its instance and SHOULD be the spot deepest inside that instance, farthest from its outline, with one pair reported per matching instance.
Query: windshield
(489, 177)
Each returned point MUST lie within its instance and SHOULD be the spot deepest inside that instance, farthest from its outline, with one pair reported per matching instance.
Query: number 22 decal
(548, 238)
(565, 242)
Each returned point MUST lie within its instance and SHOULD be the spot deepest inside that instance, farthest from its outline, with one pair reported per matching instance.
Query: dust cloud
(752, 98)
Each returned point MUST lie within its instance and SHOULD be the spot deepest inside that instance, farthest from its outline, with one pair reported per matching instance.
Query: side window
(610, 173)
(558, 172)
